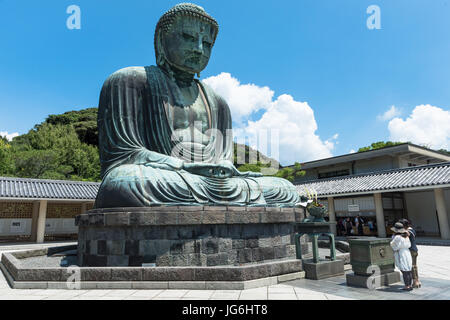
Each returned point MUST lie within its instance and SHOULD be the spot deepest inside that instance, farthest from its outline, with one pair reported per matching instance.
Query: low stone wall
(187, 236)
(243, 273)
(221, 278)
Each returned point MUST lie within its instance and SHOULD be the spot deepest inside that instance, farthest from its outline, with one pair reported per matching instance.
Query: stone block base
(323, 269)
(199, 236)
(373, 281)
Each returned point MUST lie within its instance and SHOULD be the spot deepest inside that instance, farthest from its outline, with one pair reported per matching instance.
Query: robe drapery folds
(136, 143)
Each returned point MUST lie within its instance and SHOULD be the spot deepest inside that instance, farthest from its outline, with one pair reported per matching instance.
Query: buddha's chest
(191, 116)
(190, 123)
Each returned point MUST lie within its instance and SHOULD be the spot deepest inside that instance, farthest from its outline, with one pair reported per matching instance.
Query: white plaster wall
(60, 226)
(421, 209)
(52, 226)
(6, 228)
(375, 164)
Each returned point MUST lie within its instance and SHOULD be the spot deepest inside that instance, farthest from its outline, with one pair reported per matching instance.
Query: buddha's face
(188, 45)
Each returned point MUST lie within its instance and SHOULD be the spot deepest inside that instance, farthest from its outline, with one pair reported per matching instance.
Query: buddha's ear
(161, 59)
(160, 54)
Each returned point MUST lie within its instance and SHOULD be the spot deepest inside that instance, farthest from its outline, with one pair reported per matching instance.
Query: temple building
(36, 209)
(383, 186)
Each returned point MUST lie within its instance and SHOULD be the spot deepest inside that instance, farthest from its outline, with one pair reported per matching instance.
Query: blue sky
(318, 52)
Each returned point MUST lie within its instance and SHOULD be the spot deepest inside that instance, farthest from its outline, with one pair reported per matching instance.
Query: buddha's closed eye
(187, 36)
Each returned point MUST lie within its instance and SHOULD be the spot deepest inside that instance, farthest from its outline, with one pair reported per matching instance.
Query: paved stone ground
(434, 270)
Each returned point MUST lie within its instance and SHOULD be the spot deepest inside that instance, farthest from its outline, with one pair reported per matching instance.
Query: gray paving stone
(282, 296)
(172, 294)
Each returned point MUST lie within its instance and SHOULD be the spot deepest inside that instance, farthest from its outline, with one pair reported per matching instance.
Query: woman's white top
(403, 259)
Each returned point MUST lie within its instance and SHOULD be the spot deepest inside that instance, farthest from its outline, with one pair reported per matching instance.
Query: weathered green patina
(368, 252)
(373, 264)
(314, 230)
(316, 214)
(165, 137)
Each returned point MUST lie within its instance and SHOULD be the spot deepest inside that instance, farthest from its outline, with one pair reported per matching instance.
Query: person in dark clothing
(340, 229)
(360, 226)
(348, 227)
(414, 251)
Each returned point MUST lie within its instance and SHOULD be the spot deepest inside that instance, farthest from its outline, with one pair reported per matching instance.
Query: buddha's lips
(194, 59)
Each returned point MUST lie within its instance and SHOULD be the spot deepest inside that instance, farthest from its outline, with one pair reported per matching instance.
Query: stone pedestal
(373, 263)
(323, 269)
(316, 268)
(182, 236)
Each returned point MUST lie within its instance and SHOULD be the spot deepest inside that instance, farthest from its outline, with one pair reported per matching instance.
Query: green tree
(55, 152)
(6, 158)
(379, 145)
(84, 122)
(443, 151)
(291, 173)
(288, 173)
(251, 167)
(38, 164)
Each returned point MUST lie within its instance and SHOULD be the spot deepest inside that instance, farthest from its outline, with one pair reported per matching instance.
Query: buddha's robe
(136, 143)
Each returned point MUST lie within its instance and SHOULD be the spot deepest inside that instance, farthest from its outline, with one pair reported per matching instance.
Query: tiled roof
(20, 188)
(389, 180)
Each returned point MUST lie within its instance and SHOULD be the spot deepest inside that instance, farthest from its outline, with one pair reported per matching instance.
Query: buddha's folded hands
(211, 170)
(237, 173)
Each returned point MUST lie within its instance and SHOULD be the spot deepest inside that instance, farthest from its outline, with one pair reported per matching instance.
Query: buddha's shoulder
(212, 94)
(134, 74)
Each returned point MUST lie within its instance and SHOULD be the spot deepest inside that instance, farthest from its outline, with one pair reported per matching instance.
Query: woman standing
(414, 251)
(403, 260)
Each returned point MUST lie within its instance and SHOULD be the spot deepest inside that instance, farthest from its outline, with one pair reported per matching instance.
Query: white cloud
(293, 121)
(243, 99)
(389, 114)
(426, 125)
(8, 136)
(352, 151)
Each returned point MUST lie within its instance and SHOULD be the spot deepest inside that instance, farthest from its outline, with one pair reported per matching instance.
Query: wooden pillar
(381, 227)
(34, 221)
(332, 214)
(41, 221)
(83, 207)
(442, 213)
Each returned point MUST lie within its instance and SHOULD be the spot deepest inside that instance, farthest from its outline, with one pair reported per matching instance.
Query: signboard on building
(353, 208)
(17, 226)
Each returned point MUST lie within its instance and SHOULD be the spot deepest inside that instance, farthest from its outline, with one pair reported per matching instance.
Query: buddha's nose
(199, 46)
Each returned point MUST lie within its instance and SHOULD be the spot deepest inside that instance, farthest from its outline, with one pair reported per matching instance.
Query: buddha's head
(184, 38)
